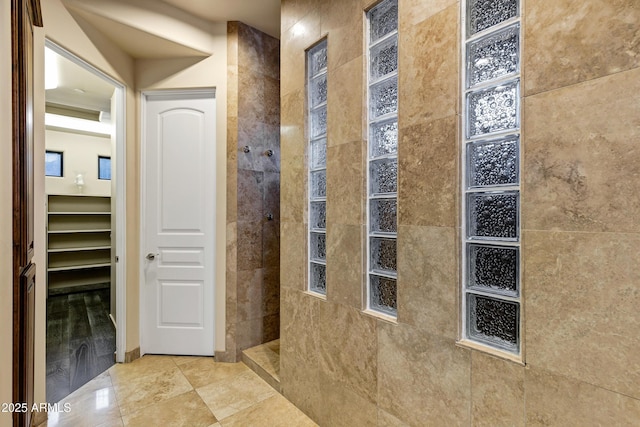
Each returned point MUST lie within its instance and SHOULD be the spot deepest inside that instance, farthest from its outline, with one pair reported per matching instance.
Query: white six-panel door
(178, 223)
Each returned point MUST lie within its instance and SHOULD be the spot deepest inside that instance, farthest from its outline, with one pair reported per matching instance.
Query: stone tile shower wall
(253, 190)
(580, 229)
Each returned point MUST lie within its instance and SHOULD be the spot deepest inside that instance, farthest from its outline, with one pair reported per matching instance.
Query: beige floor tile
(158, 390)
(234, 394)
(95, 408)
(113, 423)
(266, 358)
(101, 381)
(206, 371)
(98, 383)
(186, 410)
(274, 346)
(141, 392)
(149, 364)
(275, 411)
(183, 360)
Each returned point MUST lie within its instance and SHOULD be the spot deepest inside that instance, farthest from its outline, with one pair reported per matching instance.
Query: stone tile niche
(253, 190)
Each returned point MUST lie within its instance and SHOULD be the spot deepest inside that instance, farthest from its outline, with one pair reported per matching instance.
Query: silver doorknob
(151, 256)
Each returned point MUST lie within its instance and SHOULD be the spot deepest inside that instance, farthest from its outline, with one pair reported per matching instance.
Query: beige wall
(80, 155)
(579, 206)
(62, 29)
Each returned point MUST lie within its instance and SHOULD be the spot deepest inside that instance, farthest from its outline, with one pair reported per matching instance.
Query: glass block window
(484, 14)
(491, 185)
(53, 163)
(383, 157)
(317, 166)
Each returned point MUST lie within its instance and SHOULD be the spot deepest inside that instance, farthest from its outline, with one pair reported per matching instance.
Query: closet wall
(79, 243)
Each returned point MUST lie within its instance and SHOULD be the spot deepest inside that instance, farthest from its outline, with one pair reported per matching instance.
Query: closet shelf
(79, 267)
(95, 230)
(78, 213)
(78, 243)
(77, 249)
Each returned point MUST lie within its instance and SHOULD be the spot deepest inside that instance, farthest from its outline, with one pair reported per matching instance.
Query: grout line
(579, 83)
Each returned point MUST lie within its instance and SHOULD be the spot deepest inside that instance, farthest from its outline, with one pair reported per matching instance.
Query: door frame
(25, 15)
(144, 97)
(120, 196)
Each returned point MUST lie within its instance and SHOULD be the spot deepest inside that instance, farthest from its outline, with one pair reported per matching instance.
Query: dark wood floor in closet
(80, 341)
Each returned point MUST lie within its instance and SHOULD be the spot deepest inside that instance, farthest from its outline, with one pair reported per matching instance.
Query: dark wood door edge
(25, 14)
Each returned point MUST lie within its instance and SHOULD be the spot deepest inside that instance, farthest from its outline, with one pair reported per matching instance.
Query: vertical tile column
(253, 193)
(382, 180)
(491, 184)
(317, 192)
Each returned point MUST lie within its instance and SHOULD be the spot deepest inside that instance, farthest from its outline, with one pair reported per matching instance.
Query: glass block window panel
(382, 165)
(494, 321)
(318, 216)
(317, 165)
(53, 163)
(383, 215)
(319, 122)
(317, 58)
(384, 138)
(104, 167)
(383, 59)
(493, 163)
(384, 176)
(383, 20)
(483, 14)
(319, 183)
(493, 110)
(383, 254)
(493, 56)
(318, 90)
(383, 295)
(318, 246)
(319, 153)
(318, 278)
(493, 269)
(383, 98)
(491, 248)
(493, 215)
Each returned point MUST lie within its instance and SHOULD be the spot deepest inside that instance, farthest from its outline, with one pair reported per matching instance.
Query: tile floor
(177, 391)
(264, 360)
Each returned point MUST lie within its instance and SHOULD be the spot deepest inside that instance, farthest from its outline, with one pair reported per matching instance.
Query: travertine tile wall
(253, 190)
(580, 222)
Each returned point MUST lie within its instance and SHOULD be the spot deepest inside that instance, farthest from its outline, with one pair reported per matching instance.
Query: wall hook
(246, 149)
(269, 216)
(269, 153)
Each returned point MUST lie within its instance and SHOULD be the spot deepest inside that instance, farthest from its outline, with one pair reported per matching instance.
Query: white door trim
(145, 96)
(120, 196)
